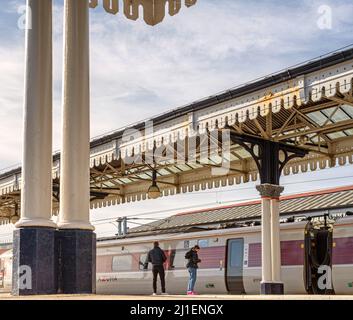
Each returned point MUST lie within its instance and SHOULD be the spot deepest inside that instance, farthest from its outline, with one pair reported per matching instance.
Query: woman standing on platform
(192, 266)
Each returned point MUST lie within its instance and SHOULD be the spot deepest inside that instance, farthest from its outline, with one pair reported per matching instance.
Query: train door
(318, 257)
(234, 270)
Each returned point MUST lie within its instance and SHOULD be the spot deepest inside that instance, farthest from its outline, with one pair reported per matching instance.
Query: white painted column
(275, 241)
(266, 240)
(75, 174)
(36, 200)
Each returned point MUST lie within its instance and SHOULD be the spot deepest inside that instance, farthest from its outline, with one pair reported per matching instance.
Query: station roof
(292, 205)
(309, 106)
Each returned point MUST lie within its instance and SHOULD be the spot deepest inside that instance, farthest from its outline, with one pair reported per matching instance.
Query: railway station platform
(6, 296)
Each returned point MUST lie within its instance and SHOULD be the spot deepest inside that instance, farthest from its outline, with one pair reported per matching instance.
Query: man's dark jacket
(156, 256)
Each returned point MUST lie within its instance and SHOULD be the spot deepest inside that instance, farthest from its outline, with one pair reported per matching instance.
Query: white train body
(225, 269)
(231, 261)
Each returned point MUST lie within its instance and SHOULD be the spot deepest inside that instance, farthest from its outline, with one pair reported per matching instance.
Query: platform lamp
(14, 218)
(154, 192)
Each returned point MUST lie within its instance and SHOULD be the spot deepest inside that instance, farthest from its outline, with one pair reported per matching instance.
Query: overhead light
(14, 219)
(154, 192)
(303, 140)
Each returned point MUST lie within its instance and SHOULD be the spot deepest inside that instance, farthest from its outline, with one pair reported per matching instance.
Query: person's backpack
(188, 255)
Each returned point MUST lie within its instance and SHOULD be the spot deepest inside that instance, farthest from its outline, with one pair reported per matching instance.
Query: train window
(186, 244)
(203, 243)
(179, 260)
(142, 261)
(122, 263)
(236, 249)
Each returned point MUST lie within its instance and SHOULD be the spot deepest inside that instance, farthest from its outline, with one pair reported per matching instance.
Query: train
(231, 259)
(6, 270)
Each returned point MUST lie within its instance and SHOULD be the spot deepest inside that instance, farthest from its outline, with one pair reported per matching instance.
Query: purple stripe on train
(292, 252)
(342, 251)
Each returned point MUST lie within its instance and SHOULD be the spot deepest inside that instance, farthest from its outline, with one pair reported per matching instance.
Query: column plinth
(34, 261)
(77, 265)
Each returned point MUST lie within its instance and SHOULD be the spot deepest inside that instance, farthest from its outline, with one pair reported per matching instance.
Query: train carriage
(342, 256)
(231, 260)
(316, 245)
(5, 270)
(316, 233)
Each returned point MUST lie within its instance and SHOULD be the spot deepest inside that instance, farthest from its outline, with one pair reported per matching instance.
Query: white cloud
(138, 71)
(11, 78)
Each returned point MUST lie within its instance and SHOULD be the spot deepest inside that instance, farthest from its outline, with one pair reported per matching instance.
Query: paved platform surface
(171, 297)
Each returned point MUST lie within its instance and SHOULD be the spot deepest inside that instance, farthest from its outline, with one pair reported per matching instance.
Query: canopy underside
(313, 112)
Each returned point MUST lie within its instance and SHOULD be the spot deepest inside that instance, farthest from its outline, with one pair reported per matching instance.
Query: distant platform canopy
(309, 106)
(336, 203)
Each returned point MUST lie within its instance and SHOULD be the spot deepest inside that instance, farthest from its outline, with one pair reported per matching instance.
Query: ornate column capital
(270, 190)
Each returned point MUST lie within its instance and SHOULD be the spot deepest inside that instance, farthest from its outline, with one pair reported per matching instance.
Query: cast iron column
(275, 237)
(271, 244)
(270, 166)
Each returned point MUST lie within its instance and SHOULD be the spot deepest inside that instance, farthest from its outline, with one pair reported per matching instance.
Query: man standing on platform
(157, 257)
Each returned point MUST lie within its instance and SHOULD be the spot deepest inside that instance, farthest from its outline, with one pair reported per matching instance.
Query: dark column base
(272, 288)
(77, 261)
(34, 262)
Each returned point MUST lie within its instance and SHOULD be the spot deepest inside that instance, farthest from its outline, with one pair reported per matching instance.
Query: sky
(138, 71)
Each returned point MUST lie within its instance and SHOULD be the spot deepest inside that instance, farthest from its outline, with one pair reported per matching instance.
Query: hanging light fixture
(14, 218)
(154, 192)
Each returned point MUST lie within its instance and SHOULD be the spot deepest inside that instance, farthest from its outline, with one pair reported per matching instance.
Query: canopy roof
(153, 10)
(309, 106)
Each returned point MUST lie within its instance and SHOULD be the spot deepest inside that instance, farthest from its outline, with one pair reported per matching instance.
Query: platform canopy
(308, 107)
(154, 11)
